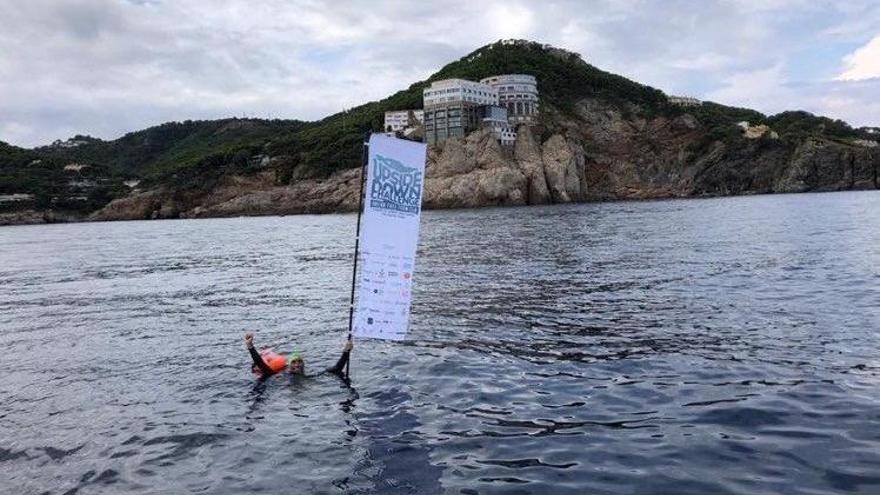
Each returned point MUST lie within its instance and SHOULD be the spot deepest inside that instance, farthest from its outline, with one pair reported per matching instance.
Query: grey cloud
(107, 67)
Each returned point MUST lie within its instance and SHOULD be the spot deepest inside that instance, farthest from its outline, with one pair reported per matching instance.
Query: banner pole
(357, 241)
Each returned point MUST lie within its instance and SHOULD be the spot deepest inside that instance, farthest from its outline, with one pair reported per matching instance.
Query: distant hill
(197, 150)
(185, 162)
(158, 150)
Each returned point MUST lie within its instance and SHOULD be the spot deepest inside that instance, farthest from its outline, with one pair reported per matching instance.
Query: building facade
(451, 108)
(684, 101)
(496, 119)
(456, 107)
(518, 93)
(459, 90)
(401, 120)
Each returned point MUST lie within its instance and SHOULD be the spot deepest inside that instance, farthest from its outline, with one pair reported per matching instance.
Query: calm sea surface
(675, 347)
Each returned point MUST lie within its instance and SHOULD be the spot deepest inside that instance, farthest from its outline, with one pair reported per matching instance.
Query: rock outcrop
(563, 168)
(529, 159)
(472, 172)
(30, 217)
(823, 166)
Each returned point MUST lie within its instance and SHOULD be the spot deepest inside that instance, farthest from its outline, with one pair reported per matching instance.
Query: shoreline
(59, 218)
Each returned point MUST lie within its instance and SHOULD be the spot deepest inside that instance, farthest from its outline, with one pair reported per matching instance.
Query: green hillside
(800, 125)
(175, 153)
(163, 149)
(44, 178)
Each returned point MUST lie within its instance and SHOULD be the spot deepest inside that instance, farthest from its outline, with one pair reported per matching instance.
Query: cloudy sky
(106, 67)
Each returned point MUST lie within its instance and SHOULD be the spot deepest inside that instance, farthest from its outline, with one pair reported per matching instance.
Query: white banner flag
(389, 236)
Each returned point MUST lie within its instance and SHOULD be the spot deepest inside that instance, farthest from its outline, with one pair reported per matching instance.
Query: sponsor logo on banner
(395, 187)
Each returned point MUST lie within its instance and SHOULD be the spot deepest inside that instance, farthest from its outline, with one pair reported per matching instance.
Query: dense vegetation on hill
(187, 154)
(563, 77)
(800, 125)
(44, 178)
(158, 151)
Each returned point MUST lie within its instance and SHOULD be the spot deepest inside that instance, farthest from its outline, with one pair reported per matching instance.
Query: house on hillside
(74, 167)
(684, 101)
(403, 120)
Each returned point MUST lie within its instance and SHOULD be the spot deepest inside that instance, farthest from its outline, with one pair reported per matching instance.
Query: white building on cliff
(684, 101)
(456, 107)
(451, 108)
(518, 93)
(402, 120)
(459, 90)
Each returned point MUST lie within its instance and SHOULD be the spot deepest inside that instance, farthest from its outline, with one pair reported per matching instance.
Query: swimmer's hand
(249, 340)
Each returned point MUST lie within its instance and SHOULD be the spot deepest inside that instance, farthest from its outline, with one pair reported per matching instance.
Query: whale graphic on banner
(389, 237)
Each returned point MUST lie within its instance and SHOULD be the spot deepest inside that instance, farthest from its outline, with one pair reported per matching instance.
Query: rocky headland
(600, 137)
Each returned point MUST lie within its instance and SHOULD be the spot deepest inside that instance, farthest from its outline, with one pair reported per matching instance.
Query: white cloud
(863, 63)
(106, 67)
(763, 89)
(704, 61)
(509, 20)
(769, 91)
(853, 102)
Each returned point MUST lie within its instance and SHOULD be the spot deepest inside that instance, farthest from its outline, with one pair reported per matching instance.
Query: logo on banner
(395, 186)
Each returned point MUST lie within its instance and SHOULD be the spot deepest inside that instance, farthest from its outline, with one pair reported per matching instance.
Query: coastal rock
(454, 159)
(563, 168)
(31, 217)
(528, 156)
(139, 206)
(472, 172)
(824, 166)
(23, 217)
(338, 193)
(488, 152)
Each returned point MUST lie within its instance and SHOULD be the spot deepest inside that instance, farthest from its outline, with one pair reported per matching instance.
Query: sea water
(697, 346)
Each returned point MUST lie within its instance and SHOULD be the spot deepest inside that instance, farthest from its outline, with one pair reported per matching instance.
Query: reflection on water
(704, 346)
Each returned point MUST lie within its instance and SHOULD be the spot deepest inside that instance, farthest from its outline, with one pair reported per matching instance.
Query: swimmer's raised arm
(258, 360)
(343, 359)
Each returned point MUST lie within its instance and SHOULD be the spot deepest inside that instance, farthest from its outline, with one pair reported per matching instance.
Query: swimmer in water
(268, 363)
